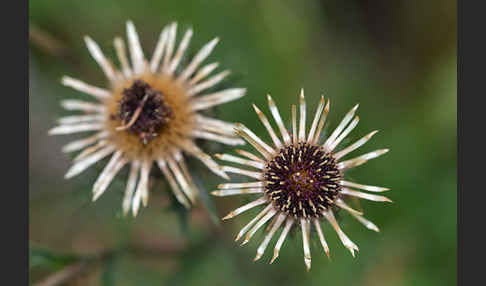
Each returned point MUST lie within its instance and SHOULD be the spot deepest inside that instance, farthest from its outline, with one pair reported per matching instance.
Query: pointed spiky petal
(246, 207)
(75, 128)
(364, 187)
(351, 163)
(317, 115)
(210, 82)
(234, 159)
(344, 133)
(82, 143)
(340, 127)
(254, 138)
(302, 116)
(344, 239)
(218, 138)
(179, 176)
(90, 150)
(203, 72)
(321, 123)
(175, 188)
(252, 222)
(171, 38)
(340, 203)
(241, 185)
(122, 56)
(141, 193)
(281, 239)
(109, 172)
(231, 192)
(159, 49)
(234, 170)
(305, 225)
(130, 188)
(266, 123)
(73, 104)
(366, 196)
(209, 100)
(198, 58)
(278, 119)
(253, 141)
(354, 146)
(75, 119)
(259, 224)
(368, 224)
(180, 51)
(135, 49)
(100, 58)
(99, 93)
(249, 155)
(295, 136)
(261, 249)
(321, 237)
(83, 164)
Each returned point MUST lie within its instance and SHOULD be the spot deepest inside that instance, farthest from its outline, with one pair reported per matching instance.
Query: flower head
(299, 180)
(148, 114)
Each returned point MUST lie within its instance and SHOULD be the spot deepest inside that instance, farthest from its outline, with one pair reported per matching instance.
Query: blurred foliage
(46, 258)
(398, 60)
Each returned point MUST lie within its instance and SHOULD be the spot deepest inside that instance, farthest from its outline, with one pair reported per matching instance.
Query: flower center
(302, 180)
(143, 111)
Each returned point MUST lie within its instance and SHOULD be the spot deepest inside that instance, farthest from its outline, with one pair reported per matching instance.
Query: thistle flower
(299, 180)
(148, 114)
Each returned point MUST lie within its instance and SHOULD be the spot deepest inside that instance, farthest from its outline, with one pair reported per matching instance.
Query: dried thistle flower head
(148, 114)
(299, 180)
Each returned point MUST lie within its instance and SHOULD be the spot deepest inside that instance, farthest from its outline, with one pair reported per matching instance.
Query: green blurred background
(396, 58)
